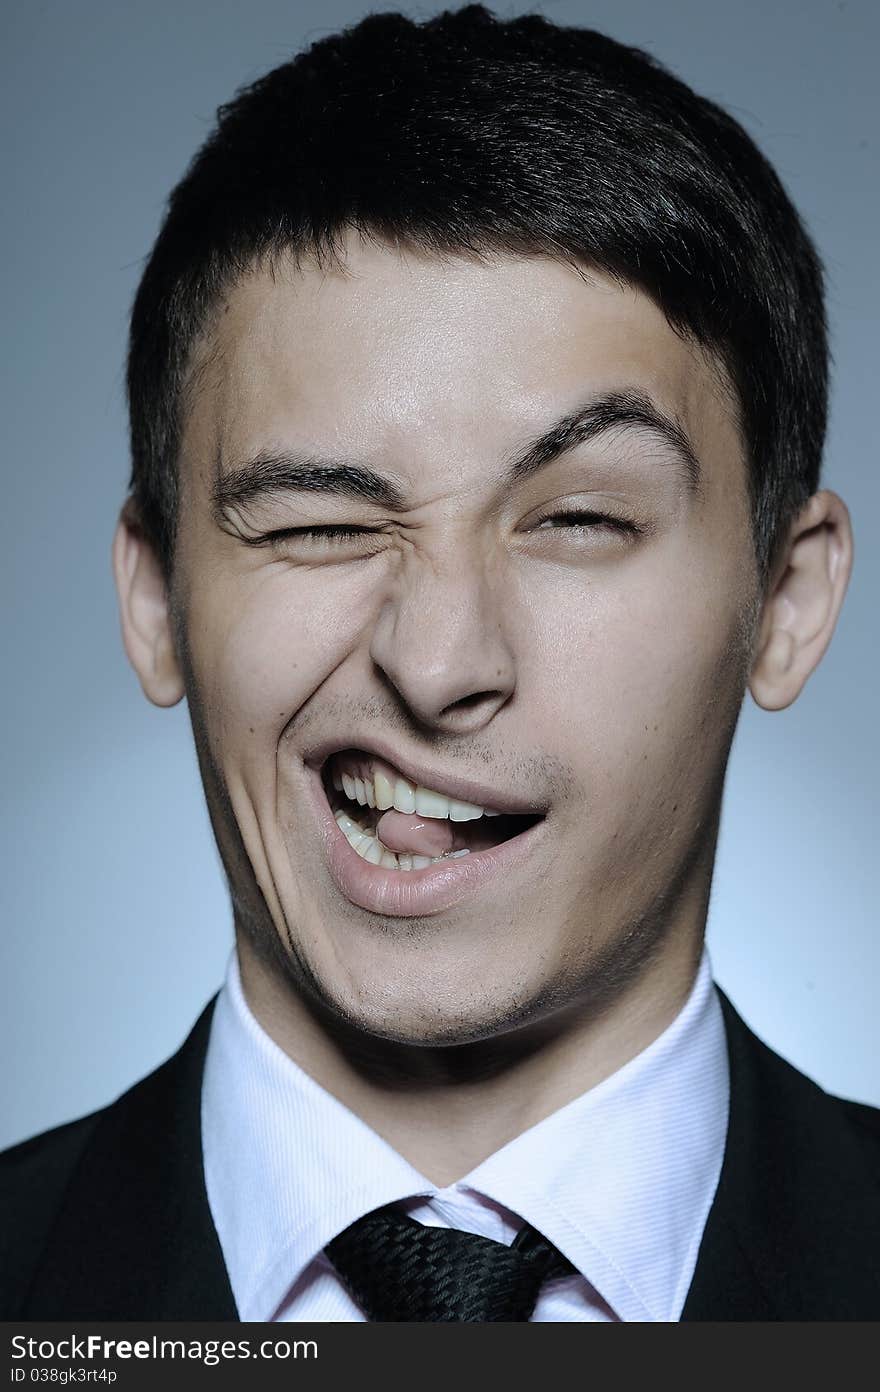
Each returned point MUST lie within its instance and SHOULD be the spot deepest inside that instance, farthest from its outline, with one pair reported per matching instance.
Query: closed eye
(326, 533)
(315, 535)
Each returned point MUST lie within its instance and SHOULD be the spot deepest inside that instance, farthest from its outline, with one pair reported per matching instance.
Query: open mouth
(450, 830)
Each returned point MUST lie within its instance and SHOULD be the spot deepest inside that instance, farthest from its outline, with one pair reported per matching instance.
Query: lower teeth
(370, 848)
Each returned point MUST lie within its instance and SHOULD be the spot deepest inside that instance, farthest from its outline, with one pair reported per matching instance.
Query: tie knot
(398, 1269)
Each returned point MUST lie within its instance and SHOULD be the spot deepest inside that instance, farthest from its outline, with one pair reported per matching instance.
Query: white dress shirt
(620, 1180)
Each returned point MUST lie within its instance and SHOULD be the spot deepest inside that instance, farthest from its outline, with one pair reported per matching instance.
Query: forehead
(432, 362)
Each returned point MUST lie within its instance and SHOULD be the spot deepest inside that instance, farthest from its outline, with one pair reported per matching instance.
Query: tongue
(414, 835)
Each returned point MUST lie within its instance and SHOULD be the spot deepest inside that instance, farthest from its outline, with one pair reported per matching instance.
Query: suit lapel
(794, 1227)
(135, 1239)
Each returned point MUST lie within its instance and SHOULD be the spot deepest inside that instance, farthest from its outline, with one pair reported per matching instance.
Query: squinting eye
(591, 521)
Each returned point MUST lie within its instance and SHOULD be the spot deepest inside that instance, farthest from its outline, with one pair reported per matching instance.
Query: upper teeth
(381, 787)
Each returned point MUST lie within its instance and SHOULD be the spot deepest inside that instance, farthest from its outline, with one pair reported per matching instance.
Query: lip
(451, 786)
(409, 893)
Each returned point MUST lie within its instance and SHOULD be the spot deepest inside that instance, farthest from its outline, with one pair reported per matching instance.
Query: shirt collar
(287, 1165)
(621, 1179)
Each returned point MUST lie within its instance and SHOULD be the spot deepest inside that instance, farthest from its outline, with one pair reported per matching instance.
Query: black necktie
(397, 1269)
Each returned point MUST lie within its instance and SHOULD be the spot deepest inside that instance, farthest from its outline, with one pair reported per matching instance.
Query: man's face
(475, 634)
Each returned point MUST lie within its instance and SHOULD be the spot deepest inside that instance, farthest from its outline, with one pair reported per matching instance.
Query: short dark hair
(469, 134)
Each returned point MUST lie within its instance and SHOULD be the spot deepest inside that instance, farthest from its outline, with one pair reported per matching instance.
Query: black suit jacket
(108, 1218)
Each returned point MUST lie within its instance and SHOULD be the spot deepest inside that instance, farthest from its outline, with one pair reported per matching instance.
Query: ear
(145, 613)
(804, 600)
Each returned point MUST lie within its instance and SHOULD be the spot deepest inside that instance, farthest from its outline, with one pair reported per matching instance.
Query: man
(478, 388)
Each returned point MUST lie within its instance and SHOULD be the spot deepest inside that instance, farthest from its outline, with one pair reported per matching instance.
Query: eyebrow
(271, 471)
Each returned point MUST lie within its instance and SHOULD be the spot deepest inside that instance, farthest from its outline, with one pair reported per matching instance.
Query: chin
(452, 1015)
(414, 1029)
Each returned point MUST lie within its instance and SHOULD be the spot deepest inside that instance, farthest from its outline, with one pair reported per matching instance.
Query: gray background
(116, 926)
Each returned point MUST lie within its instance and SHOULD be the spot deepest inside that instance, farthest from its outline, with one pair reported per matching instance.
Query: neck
(447, 1109)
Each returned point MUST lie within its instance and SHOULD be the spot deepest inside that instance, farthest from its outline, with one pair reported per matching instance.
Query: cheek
(261, 648)
(638, 676)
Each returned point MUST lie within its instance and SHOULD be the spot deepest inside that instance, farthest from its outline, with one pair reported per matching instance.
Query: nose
(441, 640)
